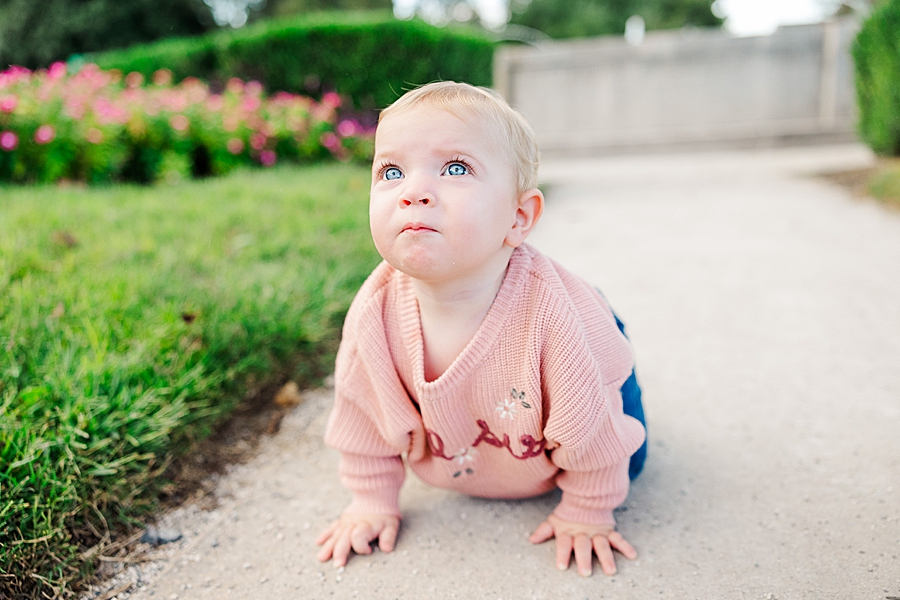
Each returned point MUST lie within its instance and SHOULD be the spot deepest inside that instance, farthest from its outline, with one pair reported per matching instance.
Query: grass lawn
(884, 183)
(133, 319)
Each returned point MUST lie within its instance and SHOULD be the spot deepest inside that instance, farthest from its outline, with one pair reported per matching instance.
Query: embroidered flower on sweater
(465, 455)
(462, 457)
(507, 408)
(520, 396)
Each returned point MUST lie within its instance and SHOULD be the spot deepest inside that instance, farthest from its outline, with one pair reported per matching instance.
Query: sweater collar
(484, 340)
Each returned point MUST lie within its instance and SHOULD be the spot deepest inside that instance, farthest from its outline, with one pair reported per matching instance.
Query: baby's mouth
(417, 228)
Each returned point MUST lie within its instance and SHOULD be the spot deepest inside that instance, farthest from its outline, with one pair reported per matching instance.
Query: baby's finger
(563, 550)
(584, 554)
(543, 533)
(327, 533)
(341, 550)
(325, 553)
(604, 554)
(388, 536)
(360, 538)
(621, 544)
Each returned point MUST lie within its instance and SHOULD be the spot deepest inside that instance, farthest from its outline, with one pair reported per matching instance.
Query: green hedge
(369, 56)
(876, 53)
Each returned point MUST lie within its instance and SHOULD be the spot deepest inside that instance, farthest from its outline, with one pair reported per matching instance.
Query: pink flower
(134, 79)
(92, 71)
(8, 103)
(235, 85)
(13, 74)
(94, 135)
(179, 122)
(75, 109)
(162, 77)
(57, 70)
(254, 88)
(44, 133)
(330, 141)
(196, 91)
(331, 100)
(174, 101)
(257, 141)
(214, 103)
(8, 141)
(107, 112)
(347, 128)
(251, 103)
(267, 158)
(235, 146)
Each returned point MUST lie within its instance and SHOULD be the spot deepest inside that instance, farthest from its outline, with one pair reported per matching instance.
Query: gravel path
(764, 306)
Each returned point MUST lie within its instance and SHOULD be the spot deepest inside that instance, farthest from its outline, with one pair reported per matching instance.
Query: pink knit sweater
(531, 403)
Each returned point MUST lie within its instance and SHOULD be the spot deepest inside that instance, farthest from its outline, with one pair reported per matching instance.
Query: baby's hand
(585, 540)
(356, 532)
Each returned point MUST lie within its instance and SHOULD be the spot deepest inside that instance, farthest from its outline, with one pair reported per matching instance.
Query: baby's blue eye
(392, 173)
(457, 169)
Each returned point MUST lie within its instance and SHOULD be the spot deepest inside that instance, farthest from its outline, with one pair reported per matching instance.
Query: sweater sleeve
(594, 438)
(370, 468)
(370, 425)
(590, 490)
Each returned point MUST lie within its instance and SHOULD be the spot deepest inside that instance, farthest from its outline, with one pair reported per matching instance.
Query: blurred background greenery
(34, 34)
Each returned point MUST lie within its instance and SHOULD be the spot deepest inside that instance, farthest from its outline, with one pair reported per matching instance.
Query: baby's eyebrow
(382, 156)
(445, 154)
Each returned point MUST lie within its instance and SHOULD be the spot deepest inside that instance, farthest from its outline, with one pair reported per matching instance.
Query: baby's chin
(419, 268)
(423, 266)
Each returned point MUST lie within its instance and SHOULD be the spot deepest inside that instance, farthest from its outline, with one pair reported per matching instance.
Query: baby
(498, 373)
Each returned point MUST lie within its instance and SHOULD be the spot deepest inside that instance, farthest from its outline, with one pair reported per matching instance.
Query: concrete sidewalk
(764, 308)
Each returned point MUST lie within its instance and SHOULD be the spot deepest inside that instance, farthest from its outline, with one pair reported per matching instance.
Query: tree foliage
(35, 33)
(582, 18)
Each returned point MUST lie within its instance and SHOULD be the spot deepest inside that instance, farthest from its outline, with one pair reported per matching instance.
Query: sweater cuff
(373, 504)
(375, 483)
(581, 510)
(589, 497)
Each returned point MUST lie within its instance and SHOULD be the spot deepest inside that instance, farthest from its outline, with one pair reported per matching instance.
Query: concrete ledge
(685, 89)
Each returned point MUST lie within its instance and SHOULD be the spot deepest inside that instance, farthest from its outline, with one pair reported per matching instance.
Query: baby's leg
(632, 406)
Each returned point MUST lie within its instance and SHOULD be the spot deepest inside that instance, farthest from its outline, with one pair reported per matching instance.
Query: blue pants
(631, 406)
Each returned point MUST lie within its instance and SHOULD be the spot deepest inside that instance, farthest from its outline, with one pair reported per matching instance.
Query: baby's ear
(529, 208)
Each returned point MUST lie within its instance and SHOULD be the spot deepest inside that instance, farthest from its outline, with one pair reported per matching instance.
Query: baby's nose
(423, 200)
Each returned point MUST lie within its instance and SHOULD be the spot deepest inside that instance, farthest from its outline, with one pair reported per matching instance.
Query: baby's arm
(592, 443)
(585, 540)
(374, 512)
(356, 532)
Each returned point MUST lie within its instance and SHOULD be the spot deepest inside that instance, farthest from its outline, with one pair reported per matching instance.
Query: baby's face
(443, 195)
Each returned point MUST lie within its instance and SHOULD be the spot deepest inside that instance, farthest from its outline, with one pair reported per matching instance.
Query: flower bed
(98, 126)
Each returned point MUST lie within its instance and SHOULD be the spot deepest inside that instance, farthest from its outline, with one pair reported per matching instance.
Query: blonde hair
(514, 133)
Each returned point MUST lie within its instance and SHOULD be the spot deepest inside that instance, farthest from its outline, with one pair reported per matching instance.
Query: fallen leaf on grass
(289, 395)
